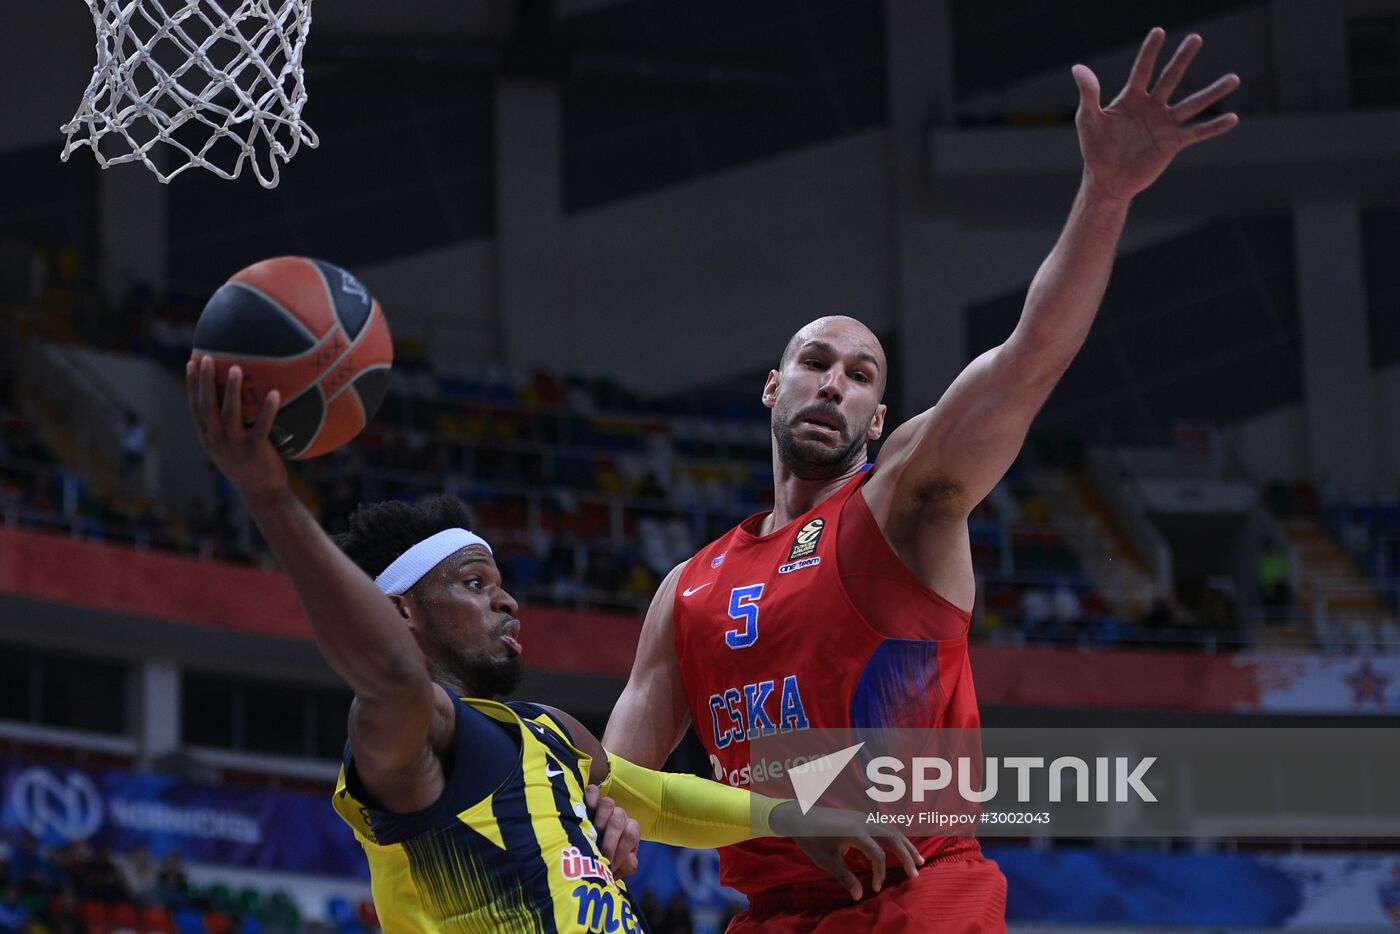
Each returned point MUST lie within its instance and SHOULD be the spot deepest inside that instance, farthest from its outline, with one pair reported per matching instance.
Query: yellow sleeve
(685, 810)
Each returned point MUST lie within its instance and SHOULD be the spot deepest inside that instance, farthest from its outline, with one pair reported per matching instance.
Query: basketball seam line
(321, 422)
(350, 384)
(286, 312)
(330, 300)
(355, 397)
(354, 342)
(312, 349)
(373, 310)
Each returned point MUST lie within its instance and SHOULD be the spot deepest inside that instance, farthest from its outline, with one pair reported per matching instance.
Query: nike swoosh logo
(694, 590)
(553, 774)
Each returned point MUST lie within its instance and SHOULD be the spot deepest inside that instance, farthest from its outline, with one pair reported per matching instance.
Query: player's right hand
(243, 452)
(618, 835)
(826, 834)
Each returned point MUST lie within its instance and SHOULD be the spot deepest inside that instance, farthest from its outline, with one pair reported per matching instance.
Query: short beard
(809, 460)
(476, 675)
(491, 677)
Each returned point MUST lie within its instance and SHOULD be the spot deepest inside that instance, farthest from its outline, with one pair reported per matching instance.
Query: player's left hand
(1127, 144)
(826, 834)
(618, 834)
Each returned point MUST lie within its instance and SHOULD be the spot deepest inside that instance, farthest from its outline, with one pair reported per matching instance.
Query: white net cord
(194, 85)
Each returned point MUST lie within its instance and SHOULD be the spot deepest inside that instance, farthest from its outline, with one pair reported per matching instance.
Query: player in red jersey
(848, 604)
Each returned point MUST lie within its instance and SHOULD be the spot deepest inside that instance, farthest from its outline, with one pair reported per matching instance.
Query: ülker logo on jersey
(807, 539)
(575, 864)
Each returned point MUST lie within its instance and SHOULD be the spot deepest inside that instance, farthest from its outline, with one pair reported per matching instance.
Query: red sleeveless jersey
(769, 638)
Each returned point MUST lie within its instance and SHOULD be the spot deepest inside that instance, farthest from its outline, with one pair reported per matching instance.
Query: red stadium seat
(125, 916)
(94, 914)
(156, 919)
(216, 922)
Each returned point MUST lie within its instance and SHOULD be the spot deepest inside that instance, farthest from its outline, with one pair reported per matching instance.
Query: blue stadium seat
(189, 921)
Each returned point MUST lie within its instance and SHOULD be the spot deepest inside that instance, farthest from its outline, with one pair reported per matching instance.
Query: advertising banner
(253, 828)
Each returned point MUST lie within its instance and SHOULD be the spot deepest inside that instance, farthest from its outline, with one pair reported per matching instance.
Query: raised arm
(951, 456)
(399, 716)
(651, 715)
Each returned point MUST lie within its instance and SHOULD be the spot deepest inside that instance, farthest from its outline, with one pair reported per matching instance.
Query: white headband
(408, 568)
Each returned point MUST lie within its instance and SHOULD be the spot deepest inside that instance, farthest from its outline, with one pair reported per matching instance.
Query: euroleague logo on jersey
(807, 539)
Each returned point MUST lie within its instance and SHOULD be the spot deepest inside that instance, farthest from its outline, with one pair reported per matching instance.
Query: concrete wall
(1274, 446)
(722, 270)
(1232, 43)
(446, 297)
(726, 269)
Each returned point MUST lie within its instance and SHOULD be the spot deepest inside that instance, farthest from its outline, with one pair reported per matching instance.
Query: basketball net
(183, 83)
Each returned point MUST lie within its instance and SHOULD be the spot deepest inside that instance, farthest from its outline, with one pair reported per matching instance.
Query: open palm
(1127, 144)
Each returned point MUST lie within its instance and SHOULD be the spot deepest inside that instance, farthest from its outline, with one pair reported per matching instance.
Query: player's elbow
(386, 676)
(1033, 361)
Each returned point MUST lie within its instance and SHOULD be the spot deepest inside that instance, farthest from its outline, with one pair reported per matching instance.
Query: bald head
(833, 328)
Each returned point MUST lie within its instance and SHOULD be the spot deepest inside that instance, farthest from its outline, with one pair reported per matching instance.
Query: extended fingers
(903, 848)
(908, 854)
(848, 879)
(1213, 127)
(199, 384)
(876, 855)
(1176, 68)
(1146, 59)
(192, 388)
(233, 404)
(1191, 106)
(263, 426)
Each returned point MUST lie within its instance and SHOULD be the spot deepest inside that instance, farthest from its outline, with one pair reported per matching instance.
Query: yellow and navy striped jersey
(517, 853)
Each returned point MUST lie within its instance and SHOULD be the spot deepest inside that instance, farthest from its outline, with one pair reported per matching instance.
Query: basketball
(310, 330)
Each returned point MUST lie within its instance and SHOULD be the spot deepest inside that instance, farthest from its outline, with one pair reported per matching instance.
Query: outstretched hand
(243, 452)
(1127, 144)
(826, 834)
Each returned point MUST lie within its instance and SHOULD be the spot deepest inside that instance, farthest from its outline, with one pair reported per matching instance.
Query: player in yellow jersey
(472, 812)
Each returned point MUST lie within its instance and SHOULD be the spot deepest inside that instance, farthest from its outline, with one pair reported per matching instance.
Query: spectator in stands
(133, 442)
(94, 873)
(140, 874)
(172, 887)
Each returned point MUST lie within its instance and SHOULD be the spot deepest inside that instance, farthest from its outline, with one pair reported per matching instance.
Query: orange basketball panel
(295, 284)
(290, 376)
(374, 347)
(344, 419)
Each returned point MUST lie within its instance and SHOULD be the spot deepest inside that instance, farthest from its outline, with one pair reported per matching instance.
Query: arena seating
(591, 492)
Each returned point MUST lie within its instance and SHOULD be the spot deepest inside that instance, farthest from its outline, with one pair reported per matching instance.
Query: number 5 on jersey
(743, 606)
